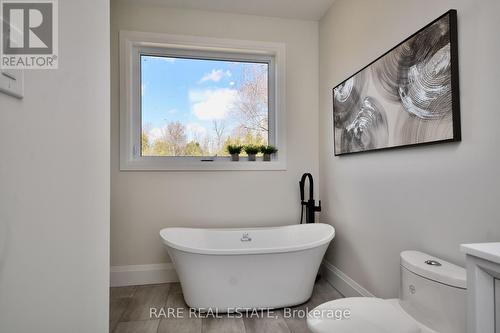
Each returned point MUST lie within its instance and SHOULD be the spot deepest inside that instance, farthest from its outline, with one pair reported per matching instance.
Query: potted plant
(235, 151)
(268, 151)
(252, 150)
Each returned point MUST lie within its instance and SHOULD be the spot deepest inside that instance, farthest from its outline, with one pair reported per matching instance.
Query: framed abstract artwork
(408, 96)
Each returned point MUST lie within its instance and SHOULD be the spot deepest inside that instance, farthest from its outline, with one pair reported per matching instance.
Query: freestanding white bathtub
(233, 269)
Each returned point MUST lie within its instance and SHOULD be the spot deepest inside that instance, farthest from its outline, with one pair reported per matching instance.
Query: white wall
(54, 185)
(142, 203)
(428, 198)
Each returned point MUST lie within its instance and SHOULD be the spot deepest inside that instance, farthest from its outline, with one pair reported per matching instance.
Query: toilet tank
(433, 292)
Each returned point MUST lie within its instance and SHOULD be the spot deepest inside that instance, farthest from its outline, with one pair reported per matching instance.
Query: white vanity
(483, 287)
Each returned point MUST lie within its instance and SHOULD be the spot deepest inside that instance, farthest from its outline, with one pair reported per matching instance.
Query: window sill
(217, 165)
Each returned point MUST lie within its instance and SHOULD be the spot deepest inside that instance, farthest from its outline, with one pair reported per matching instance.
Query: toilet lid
(365, 315)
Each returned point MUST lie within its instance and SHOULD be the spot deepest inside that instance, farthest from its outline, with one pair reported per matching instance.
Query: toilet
(432, 299)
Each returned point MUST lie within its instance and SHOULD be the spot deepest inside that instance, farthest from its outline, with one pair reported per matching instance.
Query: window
(185, 99)
(199, 106)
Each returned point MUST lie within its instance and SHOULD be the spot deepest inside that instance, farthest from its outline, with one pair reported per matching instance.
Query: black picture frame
(455, 87)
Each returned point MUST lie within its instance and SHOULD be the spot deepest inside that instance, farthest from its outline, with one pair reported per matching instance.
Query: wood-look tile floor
(130, 313)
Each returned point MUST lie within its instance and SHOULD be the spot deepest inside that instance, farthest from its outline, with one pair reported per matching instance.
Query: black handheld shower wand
(310, 205)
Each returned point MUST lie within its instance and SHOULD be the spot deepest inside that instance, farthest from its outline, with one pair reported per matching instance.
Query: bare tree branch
(219, 129)
(175, 135)
(252, 106)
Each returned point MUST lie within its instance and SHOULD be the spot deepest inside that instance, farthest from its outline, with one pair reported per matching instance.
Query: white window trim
(132, 42)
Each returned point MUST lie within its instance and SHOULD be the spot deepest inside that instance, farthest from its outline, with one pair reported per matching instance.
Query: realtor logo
(29, 34)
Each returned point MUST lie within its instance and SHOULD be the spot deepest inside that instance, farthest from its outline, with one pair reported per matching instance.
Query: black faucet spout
(310, 205)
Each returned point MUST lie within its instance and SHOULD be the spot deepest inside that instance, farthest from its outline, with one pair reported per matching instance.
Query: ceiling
(298, 9)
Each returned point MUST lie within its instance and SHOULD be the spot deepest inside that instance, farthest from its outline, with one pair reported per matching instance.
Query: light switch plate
(12, 82)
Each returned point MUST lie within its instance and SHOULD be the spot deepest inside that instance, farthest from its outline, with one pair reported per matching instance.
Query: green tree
(193, 148)
(161, 148)
(248, 137)
(145, 144)
(254, 139)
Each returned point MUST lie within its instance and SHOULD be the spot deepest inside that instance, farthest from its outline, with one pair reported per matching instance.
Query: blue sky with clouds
(194, 92)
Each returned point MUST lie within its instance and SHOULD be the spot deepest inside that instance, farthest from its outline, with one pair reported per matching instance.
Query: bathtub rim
(249, 251)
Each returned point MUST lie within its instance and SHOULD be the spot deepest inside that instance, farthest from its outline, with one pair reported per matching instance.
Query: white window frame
(134, 44)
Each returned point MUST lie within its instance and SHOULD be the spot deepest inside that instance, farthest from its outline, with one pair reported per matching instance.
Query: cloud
(232, 83)
(156, 133)
(196, 128)
(160, 58)
(169, 60)
(212, 104)
(195, 131)
(164, 59)
(215, 75)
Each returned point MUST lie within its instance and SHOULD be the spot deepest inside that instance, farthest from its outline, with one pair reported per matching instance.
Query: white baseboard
(343, 283)
(132, 275)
